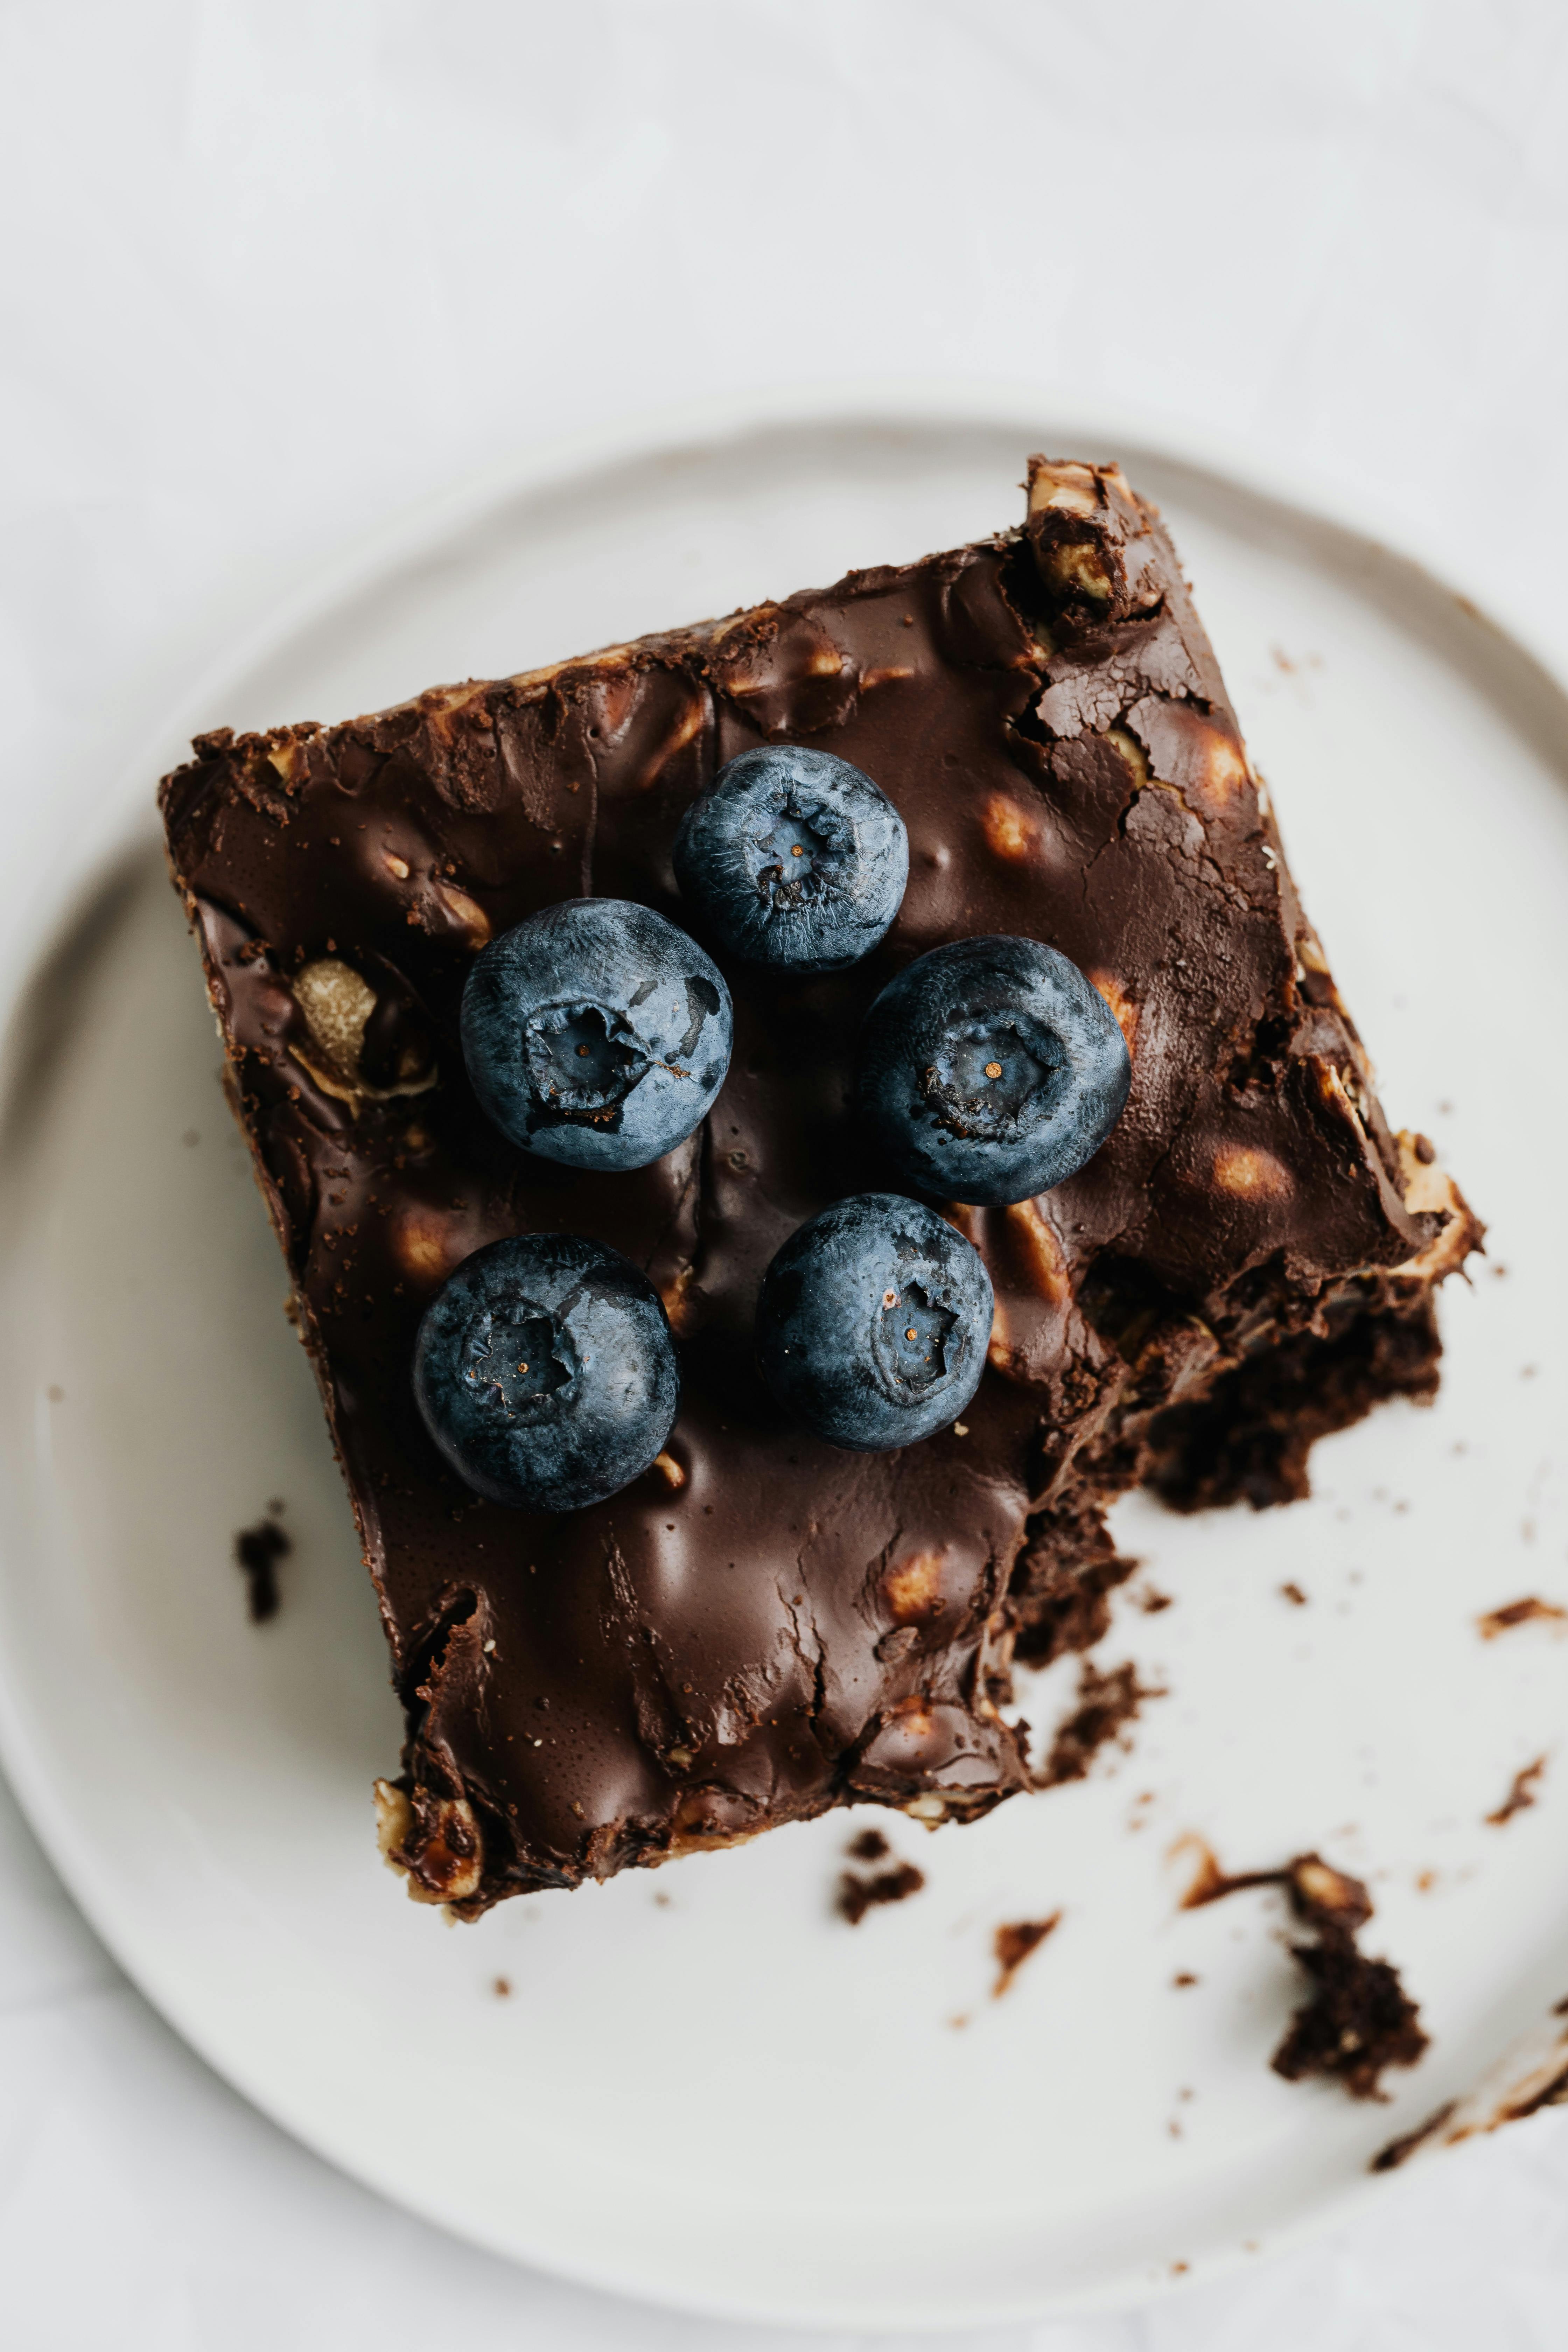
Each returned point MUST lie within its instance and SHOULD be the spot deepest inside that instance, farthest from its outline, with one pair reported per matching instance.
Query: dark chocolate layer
(762, 1626)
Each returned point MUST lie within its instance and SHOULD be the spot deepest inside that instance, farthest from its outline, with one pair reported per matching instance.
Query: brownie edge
(762, 1627)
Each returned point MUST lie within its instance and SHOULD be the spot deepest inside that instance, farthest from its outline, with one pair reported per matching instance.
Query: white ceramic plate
(703, 2087)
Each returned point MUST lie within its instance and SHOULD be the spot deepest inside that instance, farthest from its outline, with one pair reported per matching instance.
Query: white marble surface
(276, 268)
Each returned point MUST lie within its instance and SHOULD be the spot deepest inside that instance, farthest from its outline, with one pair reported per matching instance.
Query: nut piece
(428, 1245)
(1009, 832)
(393, 1820)
(912, 1588)
(1121, 1003)
(1065, 487)
(1040, 1249)
(1427, 1191)
(1251, 1175)
(432, 1840)
(1097, 557)
(1132, 751)
(338, 1004)
(463, 915)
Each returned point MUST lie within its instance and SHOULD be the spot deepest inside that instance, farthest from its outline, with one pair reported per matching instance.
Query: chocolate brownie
(761, 1626)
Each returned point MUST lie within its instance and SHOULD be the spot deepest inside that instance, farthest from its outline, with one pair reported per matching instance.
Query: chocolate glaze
(763, 1627)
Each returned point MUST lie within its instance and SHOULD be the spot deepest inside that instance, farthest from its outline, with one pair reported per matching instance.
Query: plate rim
(118, 822)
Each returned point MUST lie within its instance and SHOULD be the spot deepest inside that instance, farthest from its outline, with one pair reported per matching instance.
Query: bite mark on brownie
(1357, 2019)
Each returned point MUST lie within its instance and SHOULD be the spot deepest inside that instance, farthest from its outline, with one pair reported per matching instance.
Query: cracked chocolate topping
(761, 1626)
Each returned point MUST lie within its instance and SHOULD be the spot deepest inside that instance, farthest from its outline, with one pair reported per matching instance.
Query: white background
(274, 269)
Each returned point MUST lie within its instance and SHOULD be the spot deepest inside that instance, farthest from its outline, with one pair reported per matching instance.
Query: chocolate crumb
(1151, 1602)
(857, 1896)
(1357, 2018)
(1517, 1612)
(1063, 1583)
(869, 1846)
(502, 1987)
(1390, 2158)
(1294, 1594)
(1550, 2093)
(1013, 1946)
(1183, 1977)
(1107, 1704)
(257, 1552)
(1520, 1795)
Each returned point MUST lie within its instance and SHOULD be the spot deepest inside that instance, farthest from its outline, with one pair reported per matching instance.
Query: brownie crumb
(1520, 1795)
(1063, 1581)
(857, 1896)
(1152, 1602)
(1013, 1946)
(502, 1987)
(1357, 2018)
(1248, 1439)
(1182, 1978)
(869, 1846)
(1294, 1594)
(257, 1552)
(1550, 2093)
(1107, 1704)
(1390, 2158)
(1517, 1612)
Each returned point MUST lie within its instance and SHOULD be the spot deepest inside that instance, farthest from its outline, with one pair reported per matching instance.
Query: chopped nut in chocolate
(761, 1626)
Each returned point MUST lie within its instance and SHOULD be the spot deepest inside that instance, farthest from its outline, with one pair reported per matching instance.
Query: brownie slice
(764, 1627)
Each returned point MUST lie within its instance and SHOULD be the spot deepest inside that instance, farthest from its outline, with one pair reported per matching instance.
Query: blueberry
(796, 859)
(990, 1070)
(545, 1372)
(596, 1033)
(873, 1322)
